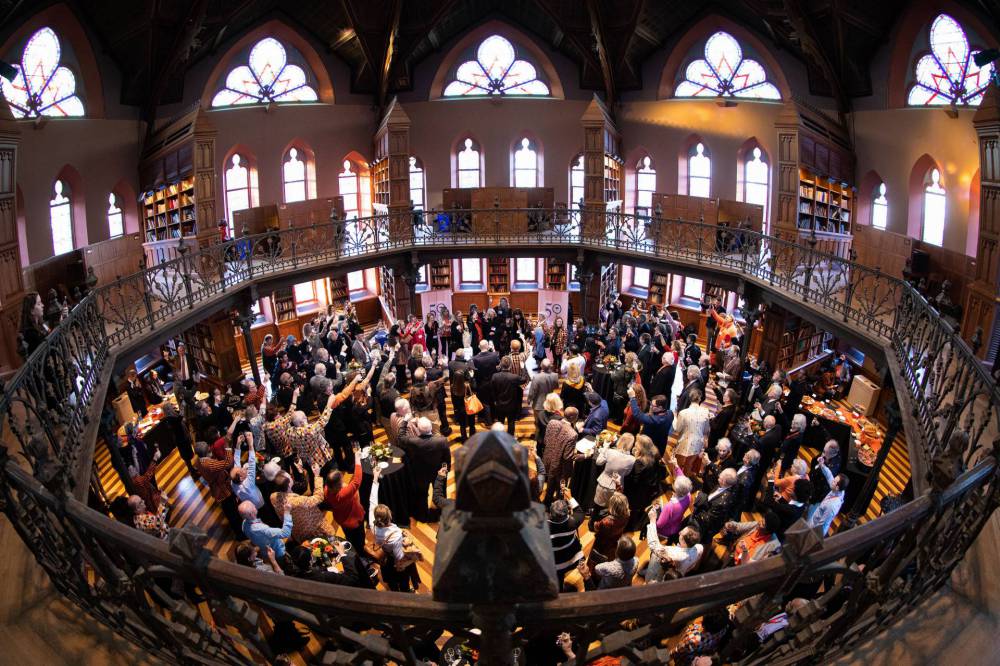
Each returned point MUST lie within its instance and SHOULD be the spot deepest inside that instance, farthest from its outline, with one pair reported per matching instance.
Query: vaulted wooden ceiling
(154, 42)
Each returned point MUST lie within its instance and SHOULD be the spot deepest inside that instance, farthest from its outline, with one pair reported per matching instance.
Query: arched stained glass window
(469, 173)
(645, 185)
(576, 183)
(496, 70)
(724, 72)
(42, 87)
(293, 171)
(61, 219)
(349, 189)
(948, 75)
(416, 183)
(525, 165)
(699, 172)
(116, 221)
(237, 180)
(934, 207)
(880, 208)
(755, 180)
(268, 77)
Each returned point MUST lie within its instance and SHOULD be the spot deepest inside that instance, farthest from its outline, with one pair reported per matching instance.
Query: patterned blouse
(308, 519)
(274, 431)
(308, 441)
(695, 641)
(153, 524)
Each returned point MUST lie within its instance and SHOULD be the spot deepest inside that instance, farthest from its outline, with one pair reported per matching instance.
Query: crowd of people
(283, 459)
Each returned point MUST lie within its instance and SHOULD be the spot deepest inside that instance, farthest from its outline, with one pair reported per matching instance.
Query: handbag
(473, 405)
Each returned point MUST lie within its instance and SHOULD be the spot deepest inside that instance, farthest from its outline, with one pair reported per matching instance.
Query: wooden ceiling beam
(390, 51)
(813, 50)
(352, 19)
(585, 51)
(602, 53)
(180, 49)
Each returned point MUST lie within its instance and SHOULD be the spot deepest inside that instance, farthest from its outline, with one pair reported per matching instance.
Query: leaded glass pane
(496, 71)
(724, 72)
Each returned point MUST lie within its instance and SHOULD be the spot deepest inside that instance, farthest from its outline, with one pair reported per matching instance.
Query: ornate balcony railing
(142, 587)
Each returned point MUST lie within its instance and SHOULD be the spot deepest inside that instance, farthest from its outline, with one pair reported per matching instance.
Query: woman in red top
(608, 529)
(344, 503)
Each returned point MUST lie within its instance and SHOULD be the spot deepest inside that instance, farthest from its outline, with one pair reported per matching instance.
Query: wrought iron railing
(143, 588)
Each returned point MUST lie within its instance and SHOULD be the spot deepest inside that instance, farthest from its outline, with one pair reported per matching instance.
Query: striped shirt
(566, 546)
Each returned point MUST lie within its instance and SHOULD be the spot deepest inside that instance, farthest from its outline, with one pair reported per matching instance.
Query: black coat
(662, 381)
(720, 424)
(507, 393)
(768, 445)
(712, 514)
(790, 449)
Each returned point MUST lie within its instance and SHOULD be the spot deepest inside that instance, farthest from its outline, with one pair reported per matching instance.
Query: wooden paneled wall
(114, 258)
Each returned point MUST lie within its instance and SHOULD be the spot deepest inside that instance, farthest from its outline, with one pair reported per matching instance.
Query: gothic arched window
(496, 70)
(948, 74)
(267, 77)
(42, 87)
(724, 72)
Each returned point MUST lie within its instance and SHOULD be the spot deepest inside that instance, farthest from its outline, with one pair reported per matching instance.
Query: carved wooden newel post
(493, 548)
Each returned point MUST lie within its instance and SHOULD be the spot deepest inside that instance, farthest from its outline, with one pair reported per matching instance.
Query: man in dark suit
(663, 379)
(648, 358)
(790, 445)
(693, 376)
(135, 392)
(185, 369)
(789, 512)
(425, 454)
(719, 425)
(508, 395)
(692, 352)
(767, 445)
(711, 511)
(153, 388)
(485, 366)
(796, 391)
(831, 458)
(359, 350)
(752, 392)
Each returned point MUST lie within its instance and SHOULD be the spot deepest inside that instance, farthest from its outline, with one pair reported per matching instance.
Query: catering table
(583, 483)
(601, 381)
(395, 487)
(150, 431)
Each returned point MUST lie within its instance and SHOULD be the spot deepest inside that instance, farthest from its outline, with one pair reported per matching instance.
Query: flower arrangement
(606, 438)
(261, 458)
(322, 551)
(380, 451)
(610, 359)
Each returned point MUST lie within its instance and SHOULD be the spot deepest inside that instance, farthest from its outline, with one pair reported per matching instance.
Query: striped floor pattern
(193, 504)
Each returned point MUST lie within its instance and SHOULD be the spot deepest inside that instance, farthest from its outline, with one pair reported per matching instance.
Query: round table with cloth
(583, 483)
(395, 487)
(601, 381)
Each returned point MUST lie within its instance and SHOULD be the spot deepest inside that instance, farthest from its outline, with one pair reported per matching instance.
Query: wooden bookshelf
(659, 289)
(380, 182)
(284, 304)
(612, 178)
(213, 346)
(439, 274)
(609, 284)
(556, 276)
(790, 342)
(169, 212)
(825, 205)
(339, 293)
(498, 275)
(387, 290)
